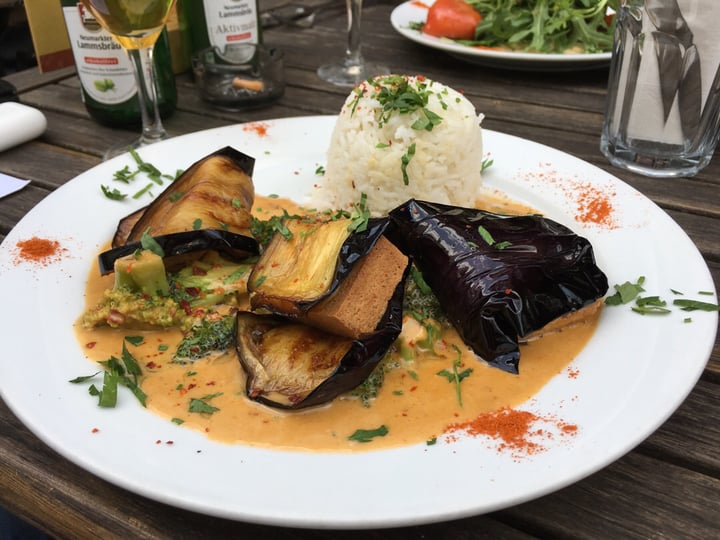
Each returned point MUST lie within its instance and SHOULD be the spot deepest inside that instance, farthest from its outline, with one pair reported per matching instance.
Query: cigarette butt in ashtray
(248, 84)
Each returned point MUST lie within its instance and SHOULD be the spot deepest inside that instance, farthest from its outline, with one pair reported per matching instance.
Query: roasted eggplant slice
(498, 277)
(216, 192)
(235, 247)
(125, 227)
(299, 270)
(293, 366)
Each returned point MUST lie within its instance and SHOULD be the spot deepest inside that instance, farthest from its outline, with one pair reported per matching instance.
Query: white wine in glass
(136, 25)
(352, 69)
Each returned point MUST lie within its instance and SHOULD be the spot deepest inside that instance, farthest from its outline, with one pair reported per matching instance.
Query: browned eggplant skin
(217, 188)
(355, 247)
(125, 227)
(354, 367)
(183, 246)
(493, 294)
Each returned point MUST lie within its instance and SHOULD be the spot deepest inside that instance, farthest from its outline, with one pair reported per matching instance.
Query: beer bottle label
(231, 21)
(104, 68)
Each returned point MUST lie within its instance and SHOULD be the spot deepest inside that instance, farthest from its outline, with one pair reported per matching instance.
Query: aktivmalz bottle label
(231, 21)
(103, 67)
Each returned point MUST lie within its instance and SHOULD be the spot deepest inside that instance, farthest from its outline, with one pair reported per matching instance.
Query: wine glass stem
(152, 127)
(354, 9)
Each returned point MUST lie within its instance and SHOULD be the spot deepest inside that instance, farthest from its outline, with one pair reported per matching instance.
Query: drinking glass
(352, 69)
(136, 26)
(662, 116)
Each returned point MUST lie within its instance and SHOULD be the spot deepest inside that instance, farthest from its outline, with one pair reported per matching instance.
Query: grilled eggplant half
(498, 277)
(292, 366)
(300, 269)
(216, 192)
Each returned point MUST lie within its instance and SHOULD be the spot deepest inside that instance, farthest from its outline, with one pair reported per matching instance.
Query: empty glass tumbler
(662, 115)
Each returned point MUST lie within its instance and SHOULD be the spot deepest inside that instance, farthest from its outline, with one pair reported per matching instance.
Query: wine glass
(136, 26)
(352, 69)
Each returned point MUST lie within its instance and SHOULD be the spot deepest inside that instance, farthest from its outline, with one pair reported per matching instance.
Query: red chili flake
(158, 441)
(192, 291)
(191, 386)
(151, 365)
(91, 344)
(197, 271)
(508, 291)
(210, 383)
(413, 388)
(94, 430)
(186, 307)
(169, 442)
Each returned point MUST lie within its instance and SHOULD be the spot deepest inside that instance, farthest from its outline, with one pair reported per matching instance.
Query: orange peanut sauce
(415, 404)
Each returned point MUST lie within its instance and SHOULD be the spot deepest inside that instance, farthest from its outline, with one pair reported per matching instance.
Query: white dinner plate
(416, 11)
(625, 383)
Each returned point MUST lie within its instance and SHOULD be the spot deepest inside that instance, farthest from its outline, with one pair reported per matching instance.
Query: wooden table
(669, 486)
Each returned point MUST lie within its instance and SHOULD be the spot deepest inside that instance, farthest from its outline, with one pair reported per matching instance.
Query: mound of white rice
(400, 137)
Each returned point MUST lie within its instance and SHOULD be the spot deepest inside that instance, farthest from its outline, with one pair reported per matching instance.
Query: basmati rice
(400, 137)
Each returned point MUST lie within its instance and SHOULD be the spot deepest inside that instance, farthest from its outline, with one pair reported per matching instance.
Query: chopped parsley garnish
(367, 435)
(695, 305)
(654, 305)
(359, 215)
(485, 235)
(456, 376)
(113, 194)
(626, 292)
(201, 405)
(124, 371)
(150, 244)
(127, 175)
(405, 161)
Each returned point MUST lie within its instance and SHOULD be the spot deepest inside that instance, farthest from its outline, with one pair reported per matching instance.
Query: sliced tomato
(454, 19)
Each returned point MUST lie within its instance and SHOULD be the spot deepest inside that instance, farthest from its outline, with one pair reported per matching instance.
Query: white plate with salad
(624, 384)
(408, 18)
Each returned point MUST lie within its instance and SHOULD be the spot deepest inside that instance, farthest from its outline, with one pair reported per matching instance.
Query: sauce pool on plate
(416, 403)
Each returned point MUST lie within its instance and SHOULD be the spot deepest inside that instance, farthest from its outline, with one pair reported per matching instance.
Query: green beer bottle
(109, 90)
(219, 23)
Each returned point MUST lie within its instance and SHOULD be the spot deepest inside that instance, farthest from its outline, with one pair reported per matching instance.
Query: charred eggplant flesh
(293, 366)
(216, 192)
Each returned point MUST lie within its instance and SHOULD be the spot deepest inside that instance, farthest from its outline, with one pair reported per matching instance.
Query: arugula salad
(539, 26)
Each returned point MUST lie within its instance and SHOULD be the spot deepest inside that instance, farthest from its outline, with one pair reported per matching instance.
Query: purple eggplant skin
(356, 365)
(535, 271)
(235, 247)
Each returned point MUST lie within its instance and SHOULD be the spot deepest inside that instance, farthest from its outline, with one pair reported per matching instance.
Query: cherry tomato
(452, 19)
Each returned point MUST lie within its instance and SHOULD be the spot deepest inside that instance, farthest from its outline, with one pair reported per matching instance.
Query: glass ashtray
(242, 76)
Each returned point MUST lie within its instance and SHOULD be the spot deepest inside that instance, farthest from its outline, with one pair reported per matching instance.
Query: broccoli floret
(368, 390)
(419, 301)
(210, 282)
(205, 337)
